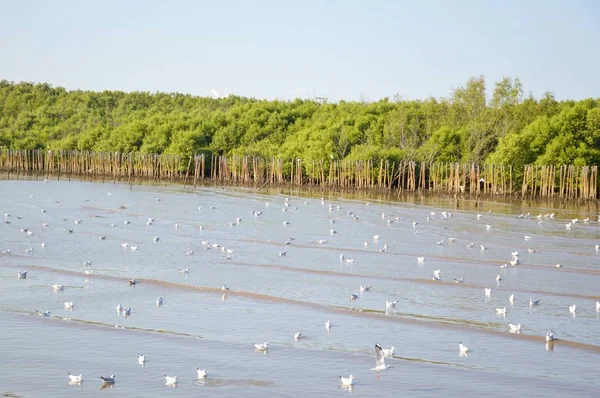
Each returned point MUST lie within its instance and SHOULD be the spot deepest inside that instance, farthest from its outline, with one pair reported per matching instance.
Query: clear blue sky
(287, 49)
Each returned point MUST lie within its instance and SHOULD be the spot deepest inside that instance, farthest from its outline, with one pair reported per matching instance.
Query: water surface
(273, 296)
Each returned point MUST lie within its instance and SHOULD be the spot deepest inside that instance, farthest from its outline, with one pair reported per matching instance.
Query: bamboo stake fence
(565, 182)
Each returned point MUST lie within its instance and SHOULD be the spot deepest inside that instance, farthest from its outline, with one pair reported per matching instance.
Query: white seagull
(142, 360)
(262, 347)
(159, 301)
(58, 287)
(75, 378)
(69, 305)
(347, 381)
(298, 335)
(515, 328)
(22, 274)
(511, 299)
(550, 335)
(365, 288)
(170, 380)
(488, 292)
(463, 349)
(201, 373)
(501, 311)
(533, 302)
(328, 326)
(389, 352)
(572, 309)
(380, 360)
(108, 380)
(391, 304)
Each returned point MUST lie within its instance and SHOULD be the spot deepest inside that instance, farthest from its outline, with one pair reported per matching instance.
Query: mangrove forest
(474, 125)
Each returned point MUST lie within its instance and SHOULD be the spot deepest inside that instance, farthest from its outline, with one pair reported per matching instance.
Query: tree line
(505, 127)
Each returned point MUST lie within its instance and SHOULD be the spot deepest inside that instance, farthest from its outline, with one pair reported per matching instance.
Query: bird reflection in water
(107, 385)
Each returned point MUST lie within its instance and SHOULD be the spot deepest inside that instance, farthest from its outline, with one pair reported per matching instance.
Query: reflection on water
(273, 296)
(107, 385)
(76, 383)
(350, 389)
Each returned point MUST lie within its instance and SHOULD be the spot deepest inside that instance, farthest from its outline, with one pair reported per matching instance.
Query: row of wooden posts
(566, 181)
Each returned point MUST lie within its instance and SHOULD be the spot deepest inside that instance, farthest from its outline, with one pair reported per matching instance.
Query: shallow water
(274, 296)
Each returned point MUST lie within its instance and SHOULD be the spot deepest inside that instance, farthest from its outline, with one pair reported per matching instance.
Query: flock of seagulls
(109, 381)
(380, 352)
(515, 261)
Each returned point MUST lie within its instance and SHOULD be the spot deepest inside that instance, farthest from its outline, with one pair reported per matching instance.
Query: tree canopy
(470, 126)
